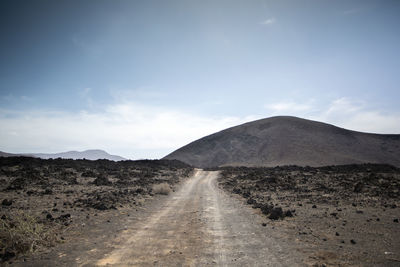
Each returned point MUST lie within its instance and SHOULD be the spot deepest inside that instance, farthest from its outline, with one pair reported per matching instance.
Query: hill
(92, 154)
(287, 140)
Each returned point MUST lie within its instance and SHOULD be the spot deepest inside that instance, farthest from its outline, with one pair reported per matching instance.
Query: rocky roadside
(45, 203)
(338, 215)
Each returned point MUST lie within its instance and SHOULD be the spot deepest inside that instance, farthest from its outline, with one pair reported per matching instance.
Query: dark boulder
(6, 202)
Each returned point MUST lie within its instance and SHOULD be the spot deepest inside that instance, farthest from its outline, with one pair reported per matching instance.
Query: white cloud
(343, 112)
(288, 107)
(124, 95)
(131, 130)
(344, 106)
(357, 115)
(268, 21)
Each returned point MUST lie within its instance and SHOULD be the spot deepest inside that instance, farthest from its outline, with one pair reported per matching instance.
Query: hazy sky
(142, 78)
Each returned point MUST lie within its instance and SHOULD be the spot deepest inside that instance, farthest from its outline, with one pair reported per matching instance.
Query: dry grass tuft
(22, 234)
(163, 189)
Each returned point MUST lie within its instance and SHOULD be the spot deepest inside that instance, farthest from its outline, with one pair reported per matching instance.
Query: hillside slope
(289, 141)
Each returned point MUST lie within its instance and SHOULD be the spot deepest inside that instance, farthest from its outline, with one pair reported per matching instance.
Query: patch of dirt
(339, 215)
(197, 225)
(63, 196)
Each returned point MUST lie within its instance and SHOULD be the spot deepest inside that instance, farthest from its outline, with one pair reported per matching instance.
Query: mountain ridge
(286, 140)
(90, 154)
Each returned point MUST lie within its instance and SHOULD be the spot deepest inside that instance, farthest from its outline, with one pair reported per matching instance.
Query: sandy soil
(198, 225)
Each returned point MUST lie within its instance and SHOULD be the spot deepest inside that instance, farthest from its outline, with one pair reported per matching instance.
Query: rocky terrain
(80, 211)
(339, 215)
(44, 201)
(279, 141)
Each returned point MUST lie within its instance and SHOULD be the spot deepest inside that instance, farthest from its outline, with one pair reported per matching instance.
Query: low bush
(163, 189)
(22, 234)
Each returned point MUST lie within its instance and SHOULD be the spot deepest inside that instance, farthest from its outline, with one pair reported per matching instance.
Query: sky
(142, 78)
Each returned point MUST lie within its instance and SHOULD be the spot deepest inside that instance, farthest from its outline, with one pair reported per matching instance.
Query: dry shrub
(163, 189)
(21, 234)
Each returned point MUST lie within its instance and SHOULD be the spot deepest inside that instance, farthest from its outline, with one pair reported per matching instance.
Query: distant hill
(93, 154)
(5, 154)
(289, 141)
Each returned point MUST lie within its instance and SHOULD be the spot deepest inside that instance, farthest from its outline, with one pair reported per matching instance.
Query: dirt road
(196, 226)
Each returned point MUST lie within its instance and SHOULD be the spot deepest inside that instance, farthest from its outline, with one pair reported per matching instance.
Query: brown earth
(61, 197)
(294, 216)
(338, 216)
(197, 225)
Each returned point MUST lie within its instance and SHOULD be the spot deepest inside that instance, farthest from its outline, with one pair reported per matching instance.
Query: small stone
(7, 255)
(358, 188)
(251, 201)
(288, 213)
(6, 202)
(353, 241)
